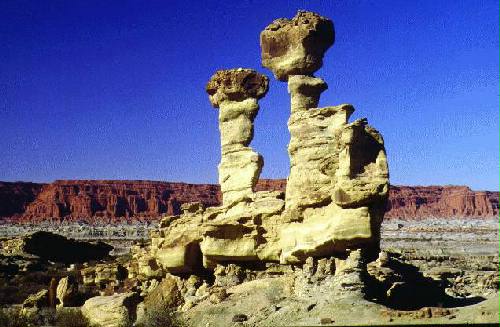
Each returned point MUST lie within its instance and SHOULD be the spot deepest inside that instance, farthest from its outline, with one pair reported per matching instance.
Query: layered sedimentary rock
(419, 202)
(407, 202)
(236, 92)
(114, 201)
(338, 183)
(15, 197)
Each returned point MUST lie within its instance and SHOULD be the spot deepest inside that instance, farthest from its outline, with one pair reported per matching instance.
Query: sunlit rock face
(296, 46)
(236, 92)
(338, 184)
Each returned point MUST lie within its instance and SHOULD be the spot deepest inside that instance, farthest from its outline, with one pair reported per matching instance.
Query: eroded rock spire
(236, 93)
(338, 182)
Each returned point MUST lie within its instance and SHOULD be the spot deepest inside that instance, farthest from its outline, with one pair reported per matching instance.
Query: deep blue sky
(115, 89)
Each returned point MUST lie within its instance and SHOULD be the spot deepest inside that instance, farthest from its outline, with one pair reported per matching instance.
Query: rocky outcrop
(296, 46)
(338, 183)
(236, 92)
(407, 202)
(118, 310)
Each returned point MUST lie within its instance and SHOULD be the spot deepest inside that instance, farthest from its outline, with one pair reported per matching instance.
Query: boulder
(296, 46)
(37, 300)
(166, 295)
(236, 85)
(57, 248)
(118, 310)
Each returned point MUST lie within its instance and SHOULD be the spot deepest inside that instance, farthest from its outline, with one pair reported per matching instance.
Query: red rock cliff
(417, 202)
(110, 201)
(15, 196)
(113, 201)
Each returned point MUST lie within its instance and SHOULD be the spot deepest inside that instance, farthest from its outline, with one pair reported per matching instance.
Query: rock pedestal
(338, 182)
(236, 92)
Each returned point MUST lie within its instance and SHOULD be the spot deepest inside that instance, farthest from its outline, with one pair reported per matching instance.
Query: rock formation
(338, 183)
(296, 46)
(235, 92)
(54, 247)
(118, 310)
(15, 196)
(114, 201)
(406, 202)
(418, 202)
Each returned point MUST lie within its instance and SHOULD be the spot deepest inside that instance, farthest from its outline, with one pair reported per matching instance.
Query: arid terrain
(455, 261)
(334, 244)
(108, 202)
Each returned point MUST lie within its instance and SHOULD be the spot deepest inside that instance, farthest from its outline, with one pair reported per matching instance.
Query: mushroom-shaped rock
(296, 46)
(236, 85)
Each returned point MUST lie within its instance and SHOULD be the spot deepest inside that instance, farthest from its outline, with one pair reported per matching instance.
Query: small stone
(239, 318)
(217, 295)
(325, 321)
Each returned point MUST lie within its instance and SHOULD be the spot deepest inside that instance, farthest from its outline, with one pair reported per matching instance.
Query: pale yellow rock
(305, 91)
(338, 182)
(116, 310)
(67, 291)
(314, 156)
(236, 92)
(176, 246)
(238, 174)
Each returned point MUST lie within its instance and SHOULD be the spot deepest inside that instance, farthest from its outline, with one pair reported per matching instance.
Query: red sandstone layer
(115, 201)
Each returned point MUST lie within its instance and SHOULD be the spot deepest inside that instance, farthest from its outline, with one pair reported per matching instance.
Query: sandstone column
(338, 181)
(293, 50)
(236, 93)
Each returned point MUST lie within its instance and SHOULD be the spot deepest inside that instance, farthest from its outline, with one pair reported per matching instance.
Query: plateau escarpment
(15, 196)
(418, 202)
(114, 201)
(149, 200)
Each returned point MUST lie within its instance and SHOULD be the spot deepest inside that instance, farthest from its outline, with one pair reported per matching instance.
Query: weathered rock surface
(338, 183)
(118, 310)
(15, 196)
(296, 46)
(37, 300)
(419, 202)
(67, 292)
(408, 202)
(113, 201)
(236, 92)
(236, 85)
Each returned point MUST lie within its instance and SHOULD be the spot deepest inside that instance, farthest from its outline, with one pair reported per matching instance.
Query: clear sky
(115, 89)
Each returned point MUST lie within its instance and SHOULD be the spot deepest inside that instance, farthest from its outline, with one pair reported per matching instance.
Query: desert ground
(433, 271)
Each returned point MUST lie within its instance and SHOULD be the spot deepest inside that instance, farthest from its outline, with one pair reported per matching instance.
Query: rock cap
(296, 46)
(236, 85)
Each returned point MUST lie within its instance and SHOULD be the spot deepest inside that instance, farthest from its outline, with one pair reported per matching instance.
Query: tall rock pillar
(338, 181)
(236, 93)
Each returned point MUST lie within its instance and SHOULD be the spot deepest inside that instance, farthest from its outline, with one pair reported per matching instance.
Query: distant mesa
(32, 201)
